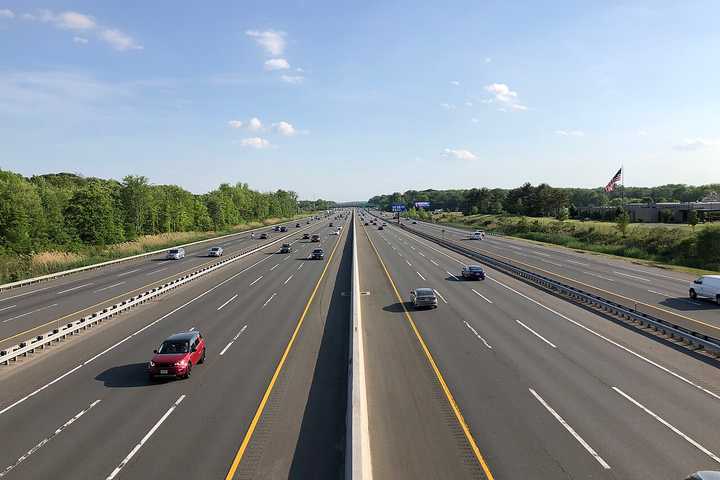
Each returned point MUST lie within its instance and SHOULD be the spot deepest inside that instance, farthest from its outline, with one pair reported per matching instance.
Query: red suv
(177, 355)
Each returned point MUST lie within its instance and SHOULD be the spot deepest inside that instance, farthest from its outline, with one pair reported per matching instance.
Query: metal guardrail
(50, 276)
(61, 332)
(696, 333)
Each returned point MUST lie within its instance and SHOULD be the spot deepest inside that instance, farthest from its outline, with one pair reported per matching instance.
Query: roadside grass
(20, 267)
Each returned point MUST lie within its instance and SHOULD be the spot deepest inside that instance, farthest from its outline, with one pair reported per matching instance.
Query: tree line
(541, 200)
(67, 210)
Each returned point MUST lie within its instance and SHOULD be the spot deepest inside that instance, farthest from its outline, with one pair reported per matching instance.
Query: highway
(548, 390)
(36, 308)
(87, 409)
(655, 286)
(502, 380)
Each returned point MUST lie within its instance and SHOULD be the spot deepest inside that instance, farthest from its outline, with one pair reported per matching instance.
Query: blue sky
(347, 99)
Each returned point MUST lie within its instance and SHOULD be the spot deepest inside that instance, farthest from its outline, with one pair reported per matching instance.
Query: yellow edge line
(273, 379)
(121, 295)
(441, 379)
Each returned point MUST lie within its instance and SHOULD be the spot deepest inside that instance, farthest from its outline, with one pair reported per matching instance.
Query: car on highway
(423, 298)
(276, 228)
(317, 254)
(414, 222)
(176, 355)
(478, 235)
(264, 236)
(705, 475)
(215, 252)
(473, 272)
(366, 223)
(286, 248)
(175, 254)
(331, 224)
(306, 236)
(297, 225)
(335, 232)
(315, 238)
(283, 228)
(707, 286)
(381, 227)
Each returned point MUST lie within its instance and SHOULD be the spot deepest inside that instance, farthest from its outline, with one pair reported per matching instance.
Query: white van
(478, 235)
(175, 254)
(707, 286)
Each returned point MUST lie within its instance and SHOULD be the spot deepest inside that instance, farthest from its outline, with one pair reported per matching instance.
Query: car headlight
(181, 363)
(151, 364)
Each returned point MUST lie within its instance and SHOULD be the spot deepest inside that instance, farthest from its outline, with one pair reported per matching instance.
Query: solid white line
(268, 300)
(600, 276)
(434, 262)
(668, 425)
(420, 275)
(57, 432)
(612, 342)
(409, 264)
(571, 430)
(439, 295)
(145, 438)
(631, 276)
(542, 254)
(421, 254)
(578, 263)
(301, 265)
(157, 270)
(537, 334)
(109, 287)
(478, 335)
(481, 295)
(273, 268)
(128, 273)
(453, 276)
(256, 280)
(23, 294)
(73, 288)
(231, 299)
(137, 332)
(288, 279)
(7, 308)
(29, 313)
(222, 352)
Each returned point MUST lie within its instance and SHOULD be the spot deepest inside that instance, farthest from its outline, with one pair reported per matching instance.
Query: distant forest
(66, 210)
(542, 200)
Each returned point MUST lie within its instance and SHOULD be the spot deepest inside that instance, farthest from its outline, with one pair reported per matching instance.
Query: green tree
(693, 219)
(622, 221)
(92, 216)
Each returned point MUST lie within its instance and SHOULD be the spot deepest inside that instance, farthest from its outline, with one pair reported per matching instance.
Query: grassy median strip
(446, 390)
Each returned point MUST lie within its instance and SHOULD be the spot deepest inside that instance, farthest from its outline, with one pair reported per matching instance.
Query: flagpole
(622, 177)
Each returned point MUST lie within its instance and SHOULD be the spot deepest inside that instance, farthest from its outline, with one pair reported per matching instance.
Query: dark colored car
(473, 272)
(286, 248)
(297, 225)
(423, 297)
(315, 238)
(176, 355)
(317, 254)
(414, 222)
(381, 227)
(276, 228)
(283, 229)
(263, 236)
(306, 236)
(331, 224)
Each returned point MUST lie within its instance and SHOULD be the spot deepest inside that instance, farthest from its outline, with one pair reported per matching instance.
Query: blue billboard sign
(398, 207)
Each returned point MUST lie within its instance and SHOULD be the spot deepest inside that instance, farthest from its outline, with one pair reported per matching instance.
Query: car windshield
(475, 268)
(174, 251)
(215, 249)
(170, 347)
(425, 292)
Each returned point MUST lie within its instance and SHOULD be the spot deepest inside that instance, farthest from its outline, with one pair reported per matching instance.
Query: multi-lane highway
(87, 409)
(547, 389)
(36, 308)
(502, 380)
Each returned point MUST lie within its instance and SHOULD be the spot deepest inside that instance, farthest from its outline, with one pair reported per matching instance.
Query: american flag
(613, 181)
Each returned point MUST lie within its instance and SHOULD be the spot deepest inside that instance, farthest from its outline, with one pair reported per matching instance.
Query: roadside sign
(422, 204)
(398, 208)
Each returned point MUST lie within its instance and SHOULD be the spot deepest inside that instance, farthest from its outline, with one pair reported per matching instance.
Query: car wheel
(693, 294)
(202, 359)
(717, 299)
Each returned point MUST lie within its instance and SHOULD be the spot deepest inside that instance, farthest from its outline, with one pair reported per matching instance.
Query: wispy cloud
(455, 82)
(294, 79)
(255, 125)
(277, 64)
(570, 133)
(285, 128)
(460, 154)
(505, 96)
(80, 40)
(273, 42)
(6, 13)
(235, 123)
(255, 142)
(448, 106)
(693, 144)
(79, 22)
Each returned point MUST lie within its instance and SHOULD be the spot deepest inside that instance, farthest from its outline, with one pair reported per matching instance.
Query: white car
(215, 252)
(707, 286)
(175, 254)
(478, 235)
(335, 232)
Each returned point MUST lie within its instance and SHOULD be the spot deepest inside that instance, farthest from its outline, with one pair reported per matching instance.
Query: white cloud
(277, 64)
(235, 124)
(5, 13)
(642, 133)
(468, 104)
(80, 40)
(504, 95)
(474, 120)
(255, 142)
(460, 154)
(119, 41)
(570, 133)
(455, 82)
(272, 41)
(79, 22)
(254, 125)
(693, 144)
(285, 128)
(488, 59)
(448, 106)
(294, 79)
